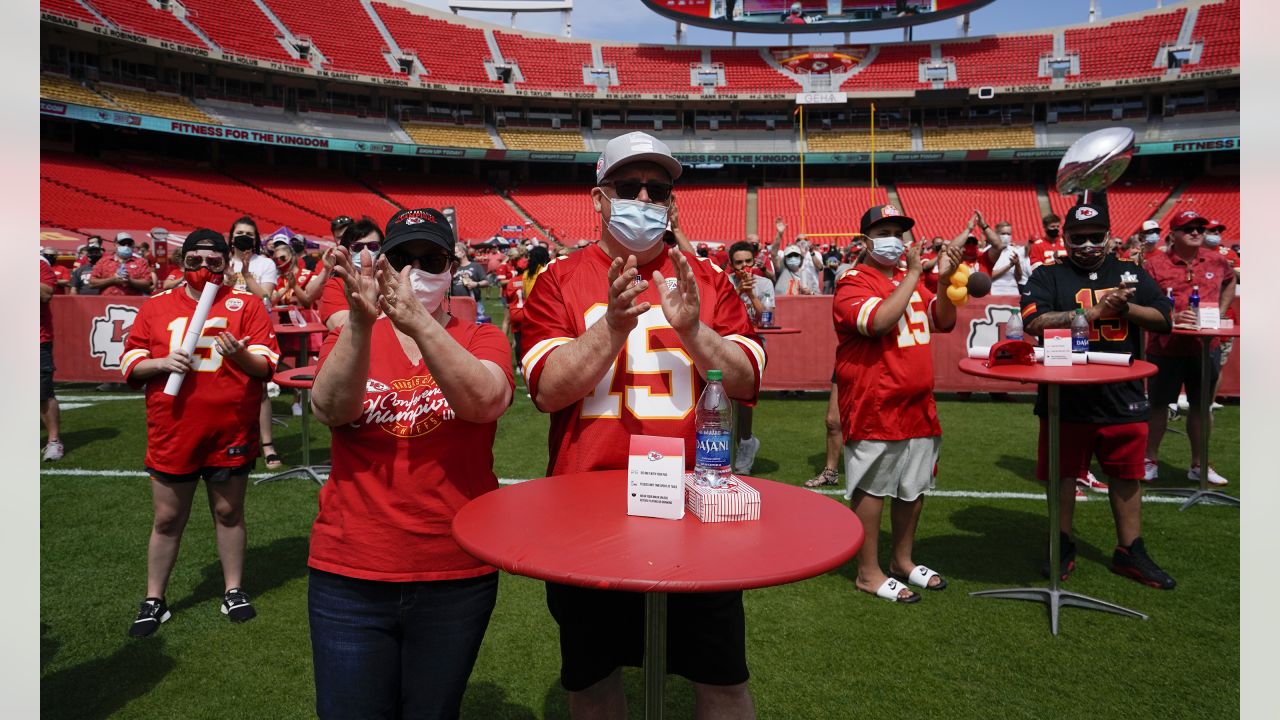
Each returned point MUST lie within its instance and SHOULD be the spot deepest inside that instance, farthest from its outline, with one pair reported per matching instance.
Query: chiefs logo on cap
(599, 163)
(412, 220)
(1084, 213)
(889, 210)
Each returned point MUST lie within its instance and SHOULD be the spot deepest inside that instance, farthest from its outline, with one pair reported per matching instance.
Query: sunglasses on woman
(434, 263)
(372, 246)
(215, 263)
(630, 189)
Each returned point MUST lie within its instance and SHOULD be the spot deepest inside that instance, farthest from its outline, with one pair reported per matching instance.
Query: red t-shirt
(513, 291)
(1045, 252)
(652, 387)
(504, 272)
(1228, 253)
(46, 315)
(303, 276)
(1209, 269)
(404, 468)
(136, 267)
(62, 274)
(333, 298)
(885, 383)
(213, 421)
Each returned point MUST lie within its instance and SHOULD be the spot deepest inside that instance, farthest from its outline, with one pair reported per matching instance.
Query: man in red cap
(1185, 266)
(1213, 241)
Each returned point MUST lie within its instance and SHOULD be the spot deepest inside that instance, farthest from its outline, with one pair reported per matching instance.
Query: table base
(316, 473)
(1198, 495)
(1057, 599)
(655, 654)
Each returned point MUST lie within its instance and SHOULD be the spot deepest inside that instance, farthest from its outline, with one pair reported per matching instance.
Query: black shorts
(46, 371)
(211, 474)
(1173, 372)
(601, 630)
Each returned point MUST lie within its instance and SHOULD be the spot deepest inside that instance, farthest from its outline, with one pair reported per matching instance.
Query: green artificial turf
(817, 648)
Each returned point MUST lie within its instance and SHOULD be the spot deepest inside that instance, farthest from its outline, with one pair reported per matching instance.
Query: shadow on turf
(486, 700)
(996, 546)
(79, 439)
(679, 697)
(99, 688)
(266, 568)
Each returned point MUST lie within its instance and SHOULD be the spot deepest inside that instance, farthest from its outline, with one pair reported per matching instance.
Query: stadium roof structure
(810, 16)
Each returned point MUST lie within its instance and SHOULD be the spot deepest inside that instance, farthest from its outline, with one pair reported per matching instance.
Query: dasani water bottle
(713, 430)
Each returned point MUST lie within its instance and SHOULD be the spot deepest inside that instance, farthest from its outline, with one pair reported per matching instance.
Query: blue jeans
(395, 649)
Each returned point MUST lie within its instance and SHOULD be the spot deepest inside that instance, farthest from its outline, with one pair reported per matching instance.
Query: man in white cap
(125, 273)
(634, 326)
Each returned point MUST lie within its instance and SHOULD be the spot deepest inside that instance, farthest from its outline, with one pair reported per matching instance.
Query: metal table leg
(655, 654)
(1203, 494)
(306, 470)
(1053, 596)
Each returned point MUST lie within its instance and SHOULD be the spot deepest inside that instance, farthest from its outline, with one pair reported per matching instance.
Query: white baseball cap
(1149, 225)
(635, 147)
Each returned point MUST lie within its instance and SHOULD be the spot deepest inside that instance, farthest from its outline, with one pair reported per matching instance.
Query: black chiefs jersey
(1064, 286)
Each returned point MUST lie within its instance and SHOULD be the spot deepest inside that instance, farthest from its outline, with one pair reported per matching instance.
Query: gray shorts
(901, 469)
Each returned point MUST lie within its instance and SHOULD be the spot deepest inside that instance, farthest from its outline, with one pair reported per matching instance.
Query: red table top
(1233, 331)
(574, 529)
(310, 327)
(1075, 375)
(301, 377)
(777, 330)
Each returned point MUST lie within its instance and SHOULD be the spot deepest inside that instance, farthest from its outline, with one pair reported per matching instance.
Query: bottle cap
(714, 375)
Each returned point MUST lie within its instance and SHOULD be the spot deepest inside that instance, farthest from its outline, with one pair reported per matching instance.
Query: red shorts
(1121, 449)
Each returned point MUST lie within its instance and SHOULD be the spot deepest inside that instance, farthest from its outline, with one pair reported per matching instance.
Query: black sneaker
(1066, 558)
(235, 605)
(1134, 562)
(151, 613)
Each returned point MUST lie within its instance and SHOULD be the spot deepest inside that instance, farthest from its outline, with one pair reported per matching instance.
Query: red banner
(806, 361)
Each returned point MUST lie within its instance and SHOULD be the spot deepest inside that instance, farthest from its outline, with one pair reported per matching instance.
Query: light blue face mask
(124, 251)
(888, 250)
(637, 225)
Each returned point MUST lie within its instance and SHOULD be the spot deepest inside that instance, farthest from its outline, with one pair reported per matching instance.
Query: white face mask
(1151, 238)
(429, 288)
(1212, 240)
(1006, 238)
(792, 262)
(887, 250)
(637, 225)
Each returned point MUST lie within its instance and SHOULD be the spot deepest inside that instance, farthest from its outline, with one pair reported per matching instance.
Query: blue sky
(631, 21)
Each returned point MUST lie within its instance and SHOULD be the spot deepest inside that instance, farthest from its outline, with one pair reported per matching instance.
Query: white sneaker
(1214, 407)
(1214, 478)
(746, 457)
(297, 409)
(53, 450)
(1183, 405)
(1150, 470)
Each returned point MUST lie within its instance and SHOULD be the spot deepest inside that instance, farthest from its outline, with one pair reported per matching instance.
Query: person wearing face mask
(516, 292)
(1012, 269)
(884, 317)
(364, 234)
(1149, 235)
(592, 323)
(796, 276)
(83, 271)
(1213, 241)
(250, 271)
(292, 281)
(469, 278)
(207, 430)
(412, 396)
(1049, 248)
(123, 273)
(1108, 420)
(1187, 264)
(974, 256)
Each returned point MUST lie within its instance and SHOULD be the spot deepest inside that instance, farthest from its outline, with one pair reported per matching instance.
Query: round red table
(1203, 493)
(301, 378)
(1054, 378)
(777, 330)
(574, 529)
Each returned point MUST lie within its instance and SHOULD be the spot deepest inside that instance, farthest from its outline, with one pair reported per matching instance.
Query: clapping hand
(361, 285)
(624, 287)
(680, 303)
(396, 299)
(1116, 302)
(949, 259)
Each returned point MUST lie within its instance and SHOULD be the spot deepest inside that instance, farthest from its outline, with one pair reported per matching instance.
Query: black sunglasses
(630, 189)
(372, 246)
(1192, 230)
(1089, 238)
(216, 263)
(434, 263)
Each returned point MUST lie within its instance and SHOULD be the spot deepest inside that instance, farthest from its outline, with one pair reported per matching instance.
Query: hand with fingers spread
(361, 285)
(949, 259)
(397, 300)
(625, 286)
(177, 361)
(229, 346)
(680, 304)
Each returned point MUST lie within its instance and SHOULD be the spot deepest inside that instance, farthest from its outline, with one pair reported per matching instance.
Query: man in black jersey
(1110, 420)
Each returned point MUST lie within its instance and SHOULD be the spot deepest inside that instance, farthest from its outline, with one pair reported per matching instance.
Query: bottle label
(712, 448)
(766, 318)
(1080, 344)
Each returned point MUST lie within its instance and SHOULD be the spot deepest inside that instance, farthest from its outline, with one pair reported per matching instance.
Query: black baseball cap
(423, 224)
(1087, 214)
(205, 239)
(882, 213)
(340, 221)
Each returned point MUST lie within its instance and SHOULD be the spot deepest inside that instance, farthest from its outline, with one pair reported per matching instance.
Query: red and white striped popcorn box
(733, 501)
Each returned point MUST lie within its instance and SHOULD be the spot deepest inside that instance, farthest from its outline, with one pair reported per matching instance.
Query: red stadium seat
(481, 212)
(462, 65)
(894, 67)
(139, 17)
(1099, 47)
(996, 61)
(1214, 198)
(1129, 202)
(239, 26)
(747, 71)
(827, 209)
(564, 208)
(341, 30)
(943, 209)
(70, 9)
(652, 69)
(546, 63)
(1218, 27)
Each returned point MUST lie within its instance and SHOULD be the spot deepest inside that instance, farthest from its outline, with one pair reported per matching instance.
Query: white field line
(974, 494)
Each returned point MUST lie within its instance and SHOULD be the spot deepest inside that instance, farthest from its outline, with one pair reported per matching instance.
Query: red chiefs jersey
(652, 387)
(62, 274)
(1209, 270)
(504, 272)
(404, 468)
(885, 383)
(213, 421)
(137, 269)
(1045, 252)
(513, 291)
(1223, 250)
(333, 298)
(47, 277)
(302, 277)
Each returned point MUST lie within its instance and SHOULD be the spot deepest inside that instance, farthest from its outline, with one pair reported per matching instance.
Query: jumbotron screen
(801, 16)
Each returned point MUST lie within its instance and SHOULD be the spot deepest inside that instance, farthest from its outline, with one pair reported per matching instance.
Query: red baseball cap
(1187, 217)
(1218, 225)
